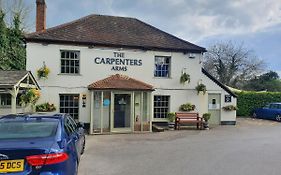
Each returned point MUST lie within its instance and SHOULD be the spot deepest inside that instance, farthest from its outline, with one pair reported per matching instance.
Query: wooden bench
(188, 118)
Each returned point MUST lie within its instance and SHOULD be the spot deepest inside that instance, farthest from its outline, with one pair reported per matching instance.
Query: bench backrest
(186, 115)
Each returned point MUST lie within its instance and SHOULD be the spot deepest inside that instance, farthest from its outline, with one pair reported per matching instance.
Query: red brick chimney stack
(40, 15)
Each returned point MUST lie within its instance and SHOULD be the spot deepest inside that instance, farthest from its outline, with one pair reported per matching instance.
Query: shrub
(45, 107)
(206, 116)
(187, 107)
(171, 116)
(249, 101)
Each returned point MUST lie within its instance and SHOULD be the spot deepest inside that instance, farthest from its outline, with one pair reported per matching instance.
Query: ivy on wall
(248, 101)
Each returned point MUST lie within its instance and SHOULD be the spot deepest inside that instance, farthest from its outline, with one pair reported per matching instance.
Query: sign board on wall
(118, 61)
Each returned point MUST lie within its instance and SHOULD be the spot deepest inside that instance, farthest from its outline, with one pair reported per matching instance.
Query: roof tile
(120, 82)
(113, 31)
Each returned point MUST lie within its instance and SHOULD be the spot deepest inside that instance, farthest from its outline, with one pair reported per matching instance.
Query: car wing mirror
(81, 124)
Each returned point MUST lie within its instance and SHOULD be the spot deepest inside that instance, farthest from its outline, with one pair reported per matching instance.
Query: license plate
(7, 166)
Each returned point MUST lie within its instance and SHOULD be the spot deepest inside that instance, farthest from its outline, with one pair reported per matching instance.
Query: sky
(255, 23)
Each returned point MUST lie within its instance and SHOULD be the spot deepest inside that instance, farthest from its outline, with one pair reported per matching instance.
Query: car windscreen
(27, 129)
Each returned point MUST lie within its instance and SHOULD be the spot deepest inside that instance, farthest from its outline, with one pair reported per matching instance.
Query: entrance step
(157, 128)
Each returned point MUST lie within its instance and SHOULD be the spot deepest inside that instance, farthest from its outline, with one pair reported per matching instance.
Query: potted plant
(43, 72)
(206, 117)
(184, 78)
(187, 107)
(171, 117)
(201, 88)
(30, 97)
(45, 107)
(229, 108)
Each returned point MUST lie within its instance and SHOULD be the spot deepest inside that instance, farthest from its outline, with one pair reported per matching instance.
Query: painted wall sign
(227, 98)
(118, 61)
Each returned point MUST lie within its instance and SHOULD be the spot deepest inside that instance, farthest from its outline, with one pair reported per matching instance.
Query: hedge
(248, 101)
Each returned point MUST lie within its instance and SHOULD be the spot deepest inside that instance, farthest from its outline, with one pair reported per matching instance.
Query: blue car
(271, 111)
(40, 144)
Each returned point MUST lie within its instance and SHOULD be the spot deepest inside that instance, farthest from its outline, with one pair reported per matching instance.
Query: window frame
(69, 65)
(169, 66)
(161, 107)
(68, 106)
(9, 105)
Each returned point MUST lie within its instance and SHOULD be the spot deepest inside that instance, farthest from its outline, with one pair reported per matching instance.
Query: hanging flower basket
(201, 88)
(184, 78)
(43, 72)
(229, 108)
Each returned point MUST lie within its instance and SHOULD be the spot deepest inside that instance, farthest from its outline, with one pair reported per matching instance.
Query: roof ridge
(75, 21)
(170, 35)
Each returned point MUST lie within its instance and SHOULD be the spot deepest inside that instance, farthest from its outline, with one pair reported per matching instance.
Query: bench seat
(189, 118)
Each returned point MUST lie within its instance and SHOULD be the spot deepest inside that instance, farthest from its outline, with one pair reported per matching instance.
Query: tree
(266, 82)
(3, 42)
(232, 64)
(16, 49)
(12, 49)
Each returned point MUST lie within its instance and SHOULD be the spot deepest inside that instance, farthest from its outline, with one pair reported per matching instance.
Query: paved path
(253, 147)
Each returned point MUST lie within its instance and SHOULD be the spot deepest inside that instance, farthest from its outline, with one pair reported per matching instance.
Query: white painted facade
(90, 72)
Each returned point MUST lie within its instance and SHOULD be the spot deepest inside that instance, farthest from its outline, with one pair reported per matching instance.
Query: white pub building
(119, 74)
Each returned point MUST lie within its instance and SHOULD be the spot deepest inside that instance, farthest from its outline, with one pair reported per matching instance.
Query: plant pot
(206, 125)
(171, 125)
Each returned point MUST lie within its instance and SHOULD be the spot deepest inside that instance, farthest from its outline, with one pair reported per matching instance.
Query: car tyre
(278, 118)
(83, 148)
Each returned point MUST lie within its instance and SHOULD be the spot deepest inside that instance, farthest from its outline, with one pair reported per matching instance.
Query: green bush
(187, 107)
(45, 107)
(248, 101)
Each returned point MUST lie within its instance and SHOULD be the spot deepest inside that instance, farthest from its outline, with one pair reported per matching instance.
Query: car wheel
(254, 115)
(278, 118)
(84, 144)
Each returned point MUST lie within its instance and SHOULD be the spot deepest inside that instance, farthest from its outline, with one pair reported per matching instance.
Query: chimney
(40, 15)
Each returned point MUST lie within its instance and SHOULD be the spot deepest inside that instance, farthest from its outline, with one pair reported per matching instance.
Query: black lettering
(140, 63)
(2, 165)
(135, 62)
(102, 61)
(122, 62)
(18, 164)
(131, 62)
(115, 54)
(97, 60)
(14, 165)
(107, 61)
(124, 68)
(127, 60)
(117, 61)
(113, 68)
(9, 165)
(112, 60)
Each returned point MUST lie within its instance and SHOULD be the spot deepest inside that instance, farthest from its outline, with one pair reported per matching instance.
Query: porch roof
(14, 78)
(120, 82)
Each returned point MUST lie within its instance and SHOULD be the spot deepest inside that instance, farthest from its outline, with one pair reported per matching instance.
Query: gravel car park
(250, 147)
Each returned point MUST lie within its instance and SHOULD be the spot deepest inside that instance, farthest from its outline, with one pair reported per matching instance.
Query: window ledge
(162, 78)
(65, 74)
(8, 107)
